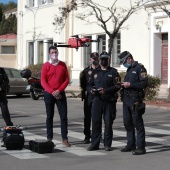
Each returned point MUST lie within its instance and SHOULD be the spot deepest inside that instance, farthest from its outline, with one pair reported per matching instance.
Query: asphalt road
(31, 114)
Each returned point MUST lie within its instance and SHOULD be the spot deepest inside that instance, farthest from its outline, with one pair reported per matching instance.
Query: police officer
(135, 82)
(4, 81)
(85, 77)
(104, 88)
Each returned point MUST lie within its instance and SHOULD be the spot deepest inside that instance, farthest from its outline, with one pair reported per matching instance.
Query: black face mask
(104, 62)
(95, 62)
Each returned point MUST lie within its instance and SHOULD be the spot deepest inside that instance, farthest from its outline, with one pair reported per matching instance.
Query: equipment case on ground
(41, 146)
(13, 138)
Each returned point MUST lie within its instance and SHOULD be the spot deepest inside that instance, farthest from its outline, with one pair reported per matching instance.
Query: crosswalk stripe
(157, 131)
(80, 151)
(22, 154)
(166, 125)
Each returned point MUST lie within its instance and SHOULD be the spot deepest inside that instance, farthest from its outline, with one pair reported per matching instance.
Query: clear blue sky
(6, 1)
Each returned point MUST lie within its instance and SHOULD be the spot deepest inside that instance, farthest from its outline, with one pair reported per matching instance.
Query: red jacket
(54, 77)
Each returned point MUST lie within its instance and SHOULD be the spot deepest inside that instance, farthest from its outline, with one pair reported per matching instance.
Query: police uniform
(4, 81)
(104, 105)
(134, 108)
(85, 77)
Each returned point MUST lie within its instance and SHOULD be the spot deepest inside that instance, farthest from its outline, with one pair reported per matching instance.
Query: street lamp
(34, 30)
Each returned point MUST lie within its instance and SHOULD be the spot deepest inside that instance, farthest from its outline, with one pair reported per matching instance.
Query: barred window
(8, 50)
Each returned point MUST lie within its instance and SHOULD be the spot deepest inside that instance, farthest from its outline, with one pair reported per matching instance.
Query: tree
(8, 6)
(1, 14)
(104, 15)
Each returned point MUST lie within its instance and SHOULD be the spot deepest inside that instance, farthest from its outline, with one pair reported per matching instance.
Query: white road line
(80, 151)
(23, 154)
(166, 125)
(157, 131)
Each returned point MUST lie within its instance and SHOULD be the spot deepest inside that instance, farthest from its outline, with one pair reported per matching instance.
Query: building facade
(139, 35)
(8, 50)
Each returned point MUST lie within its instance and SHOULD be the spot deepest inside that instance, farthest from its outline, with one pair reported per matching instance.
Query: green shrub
(35, 69)
(153, 86)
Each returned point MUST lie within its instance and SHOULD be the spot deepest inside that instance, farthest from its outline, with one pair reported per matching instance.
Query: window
(16, 74)
(41, 2)
(86, 54)
(31, 3)
(8, 49)
(116, 50)
(8, 72)
(30, 53)
(40, 52)
(102, 43)
(50, 1)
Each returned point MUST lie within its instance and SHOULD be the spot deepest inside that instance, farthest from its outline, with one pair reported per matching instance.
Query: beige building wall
(8, 60)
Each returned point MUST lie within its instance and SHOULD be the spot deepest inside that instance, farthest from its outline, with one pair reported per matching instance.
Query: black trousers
(87, 115)
(107, 109)
(50, 102)
(133, 121)
(4, 109)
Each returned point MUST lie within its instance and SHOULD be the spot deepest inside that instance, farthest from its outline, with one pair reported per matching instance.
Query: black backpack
(13, 138)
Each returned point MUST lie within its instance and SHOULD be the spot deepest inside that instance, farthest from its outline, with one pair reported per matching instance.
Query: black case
(13, 139)
(41, 146)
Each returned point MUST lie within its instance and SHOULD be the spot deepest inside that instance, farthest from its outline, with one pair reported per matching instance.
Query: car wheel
(34, 95)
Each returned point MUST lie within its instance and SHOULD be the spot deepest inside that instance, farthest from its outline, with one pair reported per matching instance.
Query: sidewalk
(72, 91)
(75, 90)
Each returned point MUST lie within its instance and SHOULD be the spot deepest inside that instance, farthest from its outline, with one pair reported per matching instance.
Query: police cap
(94, 55)
(123, 56)
(104, 55)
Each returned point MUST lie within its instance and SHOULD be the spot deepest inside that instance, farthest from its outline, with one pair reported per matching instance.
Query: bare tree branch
(102, 15)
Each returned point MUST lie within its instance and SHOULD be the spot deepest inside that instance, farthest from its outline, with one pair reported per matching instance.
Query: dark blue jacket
(106, 79)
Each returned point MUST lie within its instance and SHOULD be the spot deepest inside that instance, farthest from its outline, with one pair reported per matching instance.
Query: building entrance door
(164, 63)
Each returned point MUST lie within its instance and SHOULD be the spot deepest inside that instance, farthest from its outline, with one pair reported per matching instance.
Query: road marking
(23, 154)
(157, 131)
(80, 151)
(166, 125)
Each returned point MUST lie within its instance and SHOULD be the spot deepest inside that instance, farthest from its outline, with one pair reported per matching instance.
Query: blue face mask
(127, 65)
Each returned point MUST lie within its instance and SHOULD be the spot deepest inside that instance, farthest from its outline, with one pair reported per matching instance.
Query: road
(31, 114)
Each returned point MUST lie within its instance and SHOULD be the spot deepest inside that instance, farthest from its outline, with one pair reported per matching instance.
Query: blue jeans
(61, 104)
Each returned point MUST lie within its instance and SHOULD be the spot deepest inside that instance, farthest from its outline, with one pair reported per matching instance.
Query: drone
(76, 42)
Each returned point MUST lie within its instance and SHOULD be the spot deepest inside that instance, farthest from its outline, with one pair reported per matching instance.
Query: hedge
(153, 86)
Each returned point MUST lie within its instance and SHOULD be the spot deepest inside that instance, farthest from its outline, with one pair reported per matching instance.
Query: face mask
(54, 56)
(127, 65)
(104, 63)
(95, 62)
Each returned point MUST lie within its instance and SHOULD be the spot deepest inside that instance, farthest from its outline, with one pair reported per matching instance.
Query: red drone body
(81, 42)
(76, 42)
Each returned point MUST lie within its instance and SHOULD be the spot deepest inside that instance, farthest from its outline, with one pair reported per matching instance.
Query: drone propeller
(76, 36)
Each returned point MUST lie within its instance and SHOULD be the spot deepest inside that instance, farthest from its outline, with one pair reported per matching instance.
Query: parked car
(17, 83)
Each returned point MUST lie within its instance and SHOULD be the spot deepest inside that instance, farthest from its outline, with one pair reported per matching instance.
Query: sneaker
(139, 151)
(66, 143)
(127, 149)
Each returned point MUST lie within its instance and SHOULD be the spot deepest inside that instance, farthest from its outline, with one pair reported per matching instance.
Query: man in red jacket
(54, 79)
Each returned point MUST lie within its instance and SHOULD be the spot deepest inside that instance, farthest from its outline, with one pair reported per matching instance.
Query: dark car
(17, 83)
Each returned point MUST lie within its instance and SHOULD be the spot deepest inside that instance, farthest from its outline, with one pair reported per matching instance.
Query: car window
(16, 74)
(8, 72)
